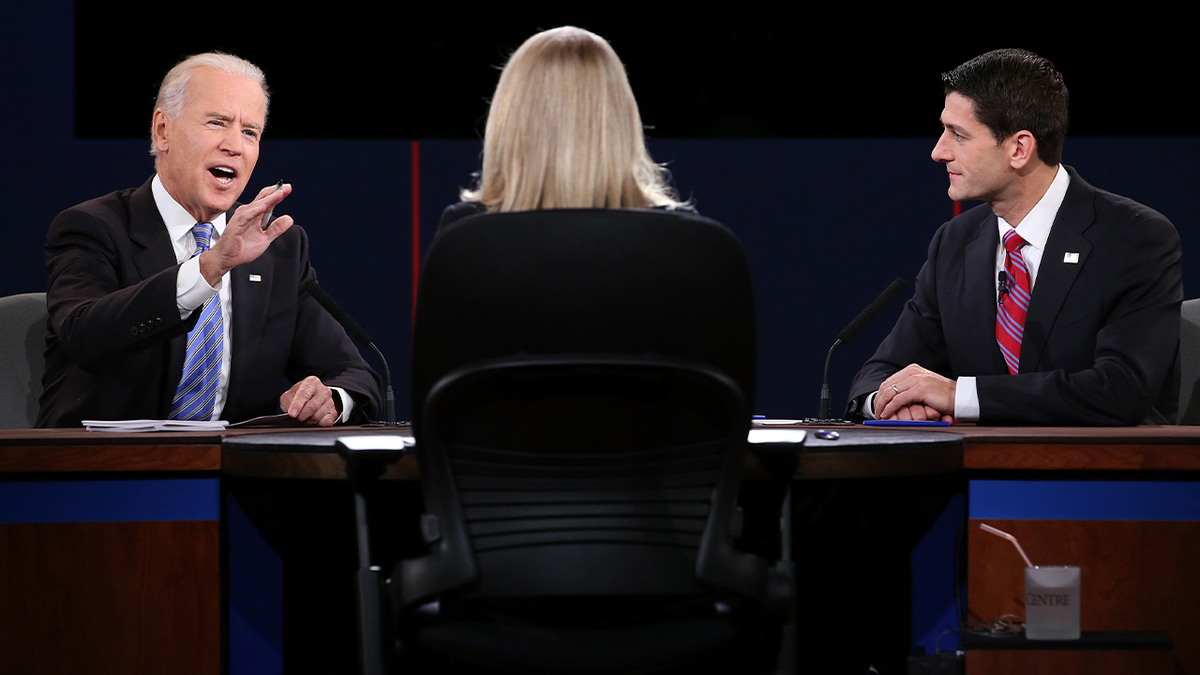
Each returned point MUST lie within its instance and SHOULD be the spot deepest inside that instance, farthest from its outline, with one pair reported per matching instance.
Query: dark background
(807, 132)
(406, 70)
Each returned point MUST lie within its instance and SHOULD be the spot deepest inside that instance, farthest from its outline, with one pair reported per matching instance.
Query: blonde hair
(173, 90)
(564, 131)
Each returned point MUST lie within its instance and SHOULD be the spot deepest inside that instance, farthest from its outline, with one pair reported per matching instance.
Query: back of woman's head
(564, 131)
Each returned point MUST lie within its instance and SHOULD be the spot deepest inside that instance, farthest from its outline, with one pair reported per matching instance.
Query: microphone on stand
(358, 334)
(850, 331)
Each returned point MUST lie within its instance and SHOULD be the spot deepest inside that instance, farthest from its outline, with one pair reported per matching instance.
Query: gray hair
(173, 90)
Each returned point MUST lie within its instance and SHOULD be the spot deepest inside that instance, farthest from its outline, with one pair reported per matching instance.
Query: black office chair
(22, 360)
(1189, 360)
(581, 394)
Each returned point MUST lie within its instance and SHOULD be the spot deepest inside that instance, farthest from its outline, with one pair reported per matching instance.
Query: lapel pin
(258, 277)
(1071, 258)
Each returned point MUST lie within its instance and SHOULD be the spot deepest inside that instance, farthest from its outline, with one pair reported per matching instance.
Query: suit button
(133, 330)
(158, 321)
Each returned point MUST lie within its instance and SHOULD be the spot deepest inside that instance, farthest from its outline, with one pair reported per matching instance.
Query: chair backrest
(581, 402)
(22, 358)
(584, 281)
(1189, 360)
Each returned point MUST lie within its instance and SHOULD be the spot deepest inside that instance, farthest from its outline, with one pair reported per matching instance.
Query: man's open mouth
(224, 174)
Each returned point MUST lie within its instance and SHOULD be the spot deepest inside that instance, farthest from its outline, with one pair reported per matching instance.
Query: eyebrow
(953, 127)
(226, 118)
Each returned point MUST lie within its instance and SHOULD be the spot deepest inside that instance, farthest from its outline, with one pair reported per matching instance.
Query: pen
(267, 219)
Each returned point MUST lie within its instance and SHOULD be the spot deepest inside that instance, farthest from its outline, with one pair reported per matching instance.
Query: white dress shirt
(192, 289)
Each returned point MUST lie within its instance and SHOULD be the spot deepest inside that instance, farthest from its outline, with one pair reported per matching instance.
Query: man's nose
(941, 151)
(233, 141)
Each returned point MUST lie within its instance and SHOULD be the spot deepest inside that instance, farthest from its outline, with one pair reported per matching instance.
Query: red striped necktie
(1014, 302)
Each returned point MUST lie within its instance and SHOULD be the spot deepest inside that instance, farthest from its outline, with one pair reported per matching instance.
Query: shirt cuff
(868, 411)
(347, 404)
(191, 289)
(966, 400)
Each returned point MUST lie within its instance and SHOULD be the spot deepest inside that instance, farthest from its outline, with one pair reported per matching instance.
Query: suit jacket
(116, 343)
(1101, 341)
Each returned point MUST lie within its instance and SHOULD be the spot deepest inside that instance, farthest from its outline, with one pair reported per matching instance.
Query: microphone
(1001, 285)
(853, 329)
(356, 333)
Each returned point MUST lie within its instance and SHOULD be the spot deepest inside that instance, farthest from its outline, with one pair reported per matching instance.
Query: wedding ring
(895, 389)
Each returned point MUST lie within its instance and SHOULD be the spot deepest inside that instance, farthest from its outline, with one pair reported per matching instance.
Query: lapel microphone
(1001, 285)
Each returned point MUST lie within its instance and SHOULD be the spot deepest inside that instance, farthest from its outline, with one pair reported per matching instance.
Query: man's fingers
(311, 402)
(252, 213)
(901, 402)
(304, 393)
(279, 226)
(271, 193)
(887, 391)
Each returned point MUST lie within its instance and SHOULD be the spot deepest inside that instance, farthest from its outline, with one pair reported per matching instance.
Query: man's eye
(250, 133)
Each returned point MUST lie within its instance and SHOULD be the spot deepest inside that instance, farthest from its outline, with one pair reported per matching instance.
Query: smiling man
(167, 302)
(1053, 302)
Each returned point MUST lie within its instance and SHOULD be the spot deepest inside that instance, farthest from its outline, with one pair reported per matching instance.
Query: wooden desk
(109, 553)
(1122, 503)
(1163, 448)
(57, 576)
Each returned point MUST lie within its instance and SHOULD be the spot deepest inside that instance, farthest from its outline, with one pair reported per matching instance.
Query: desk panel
(118, 598)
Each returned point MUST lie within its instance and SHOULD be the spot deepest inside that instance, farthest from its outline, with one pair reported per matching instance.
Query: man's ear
(1022, 148)
(158, 130)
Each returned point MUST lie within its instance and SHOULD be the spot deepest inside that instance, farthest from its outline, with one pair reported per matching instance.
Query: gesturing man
(167, 302)
(1052, 303)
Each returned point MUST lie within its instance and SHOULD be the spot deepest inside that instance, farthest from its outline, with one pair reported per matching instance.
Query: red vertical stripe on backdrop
(416, 222)
(957, 208)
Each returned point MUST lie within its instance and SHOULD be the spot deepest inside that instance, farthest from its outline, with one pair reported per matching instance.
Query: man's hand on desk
(311, 402)
(916, 394)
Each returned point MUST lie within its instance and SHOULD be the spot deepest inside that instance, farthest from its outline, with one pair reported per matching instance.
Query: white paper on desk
(136, 426)
(776, 435)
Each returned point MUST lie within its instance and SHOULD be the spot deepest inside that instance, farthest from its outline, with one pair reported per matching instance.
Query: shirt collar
(1035, 228)
(178, 221)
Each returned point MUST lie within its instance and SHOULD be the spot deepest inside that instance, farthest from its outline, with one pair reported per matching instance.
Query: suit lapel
(251, 284)
(146, 229)
(1055, 276)
(980, 261)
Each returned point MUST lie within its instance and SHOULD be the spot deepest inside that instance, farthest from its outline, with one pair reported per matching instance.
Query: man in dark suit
(1053, 303)
(166, 302)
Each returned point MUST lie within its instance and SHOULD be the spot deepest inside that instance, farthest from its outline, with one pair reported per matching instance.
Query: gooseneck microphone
(854, 328)
(358, 334)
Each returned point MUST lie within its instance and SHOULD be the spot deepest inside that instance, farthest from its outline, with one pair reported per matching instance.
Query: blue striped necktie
(197, 390)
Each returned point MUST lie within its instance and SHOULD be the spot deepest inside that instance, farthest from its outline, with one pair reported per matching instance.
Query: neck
(199, 214)
(1025, 192)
